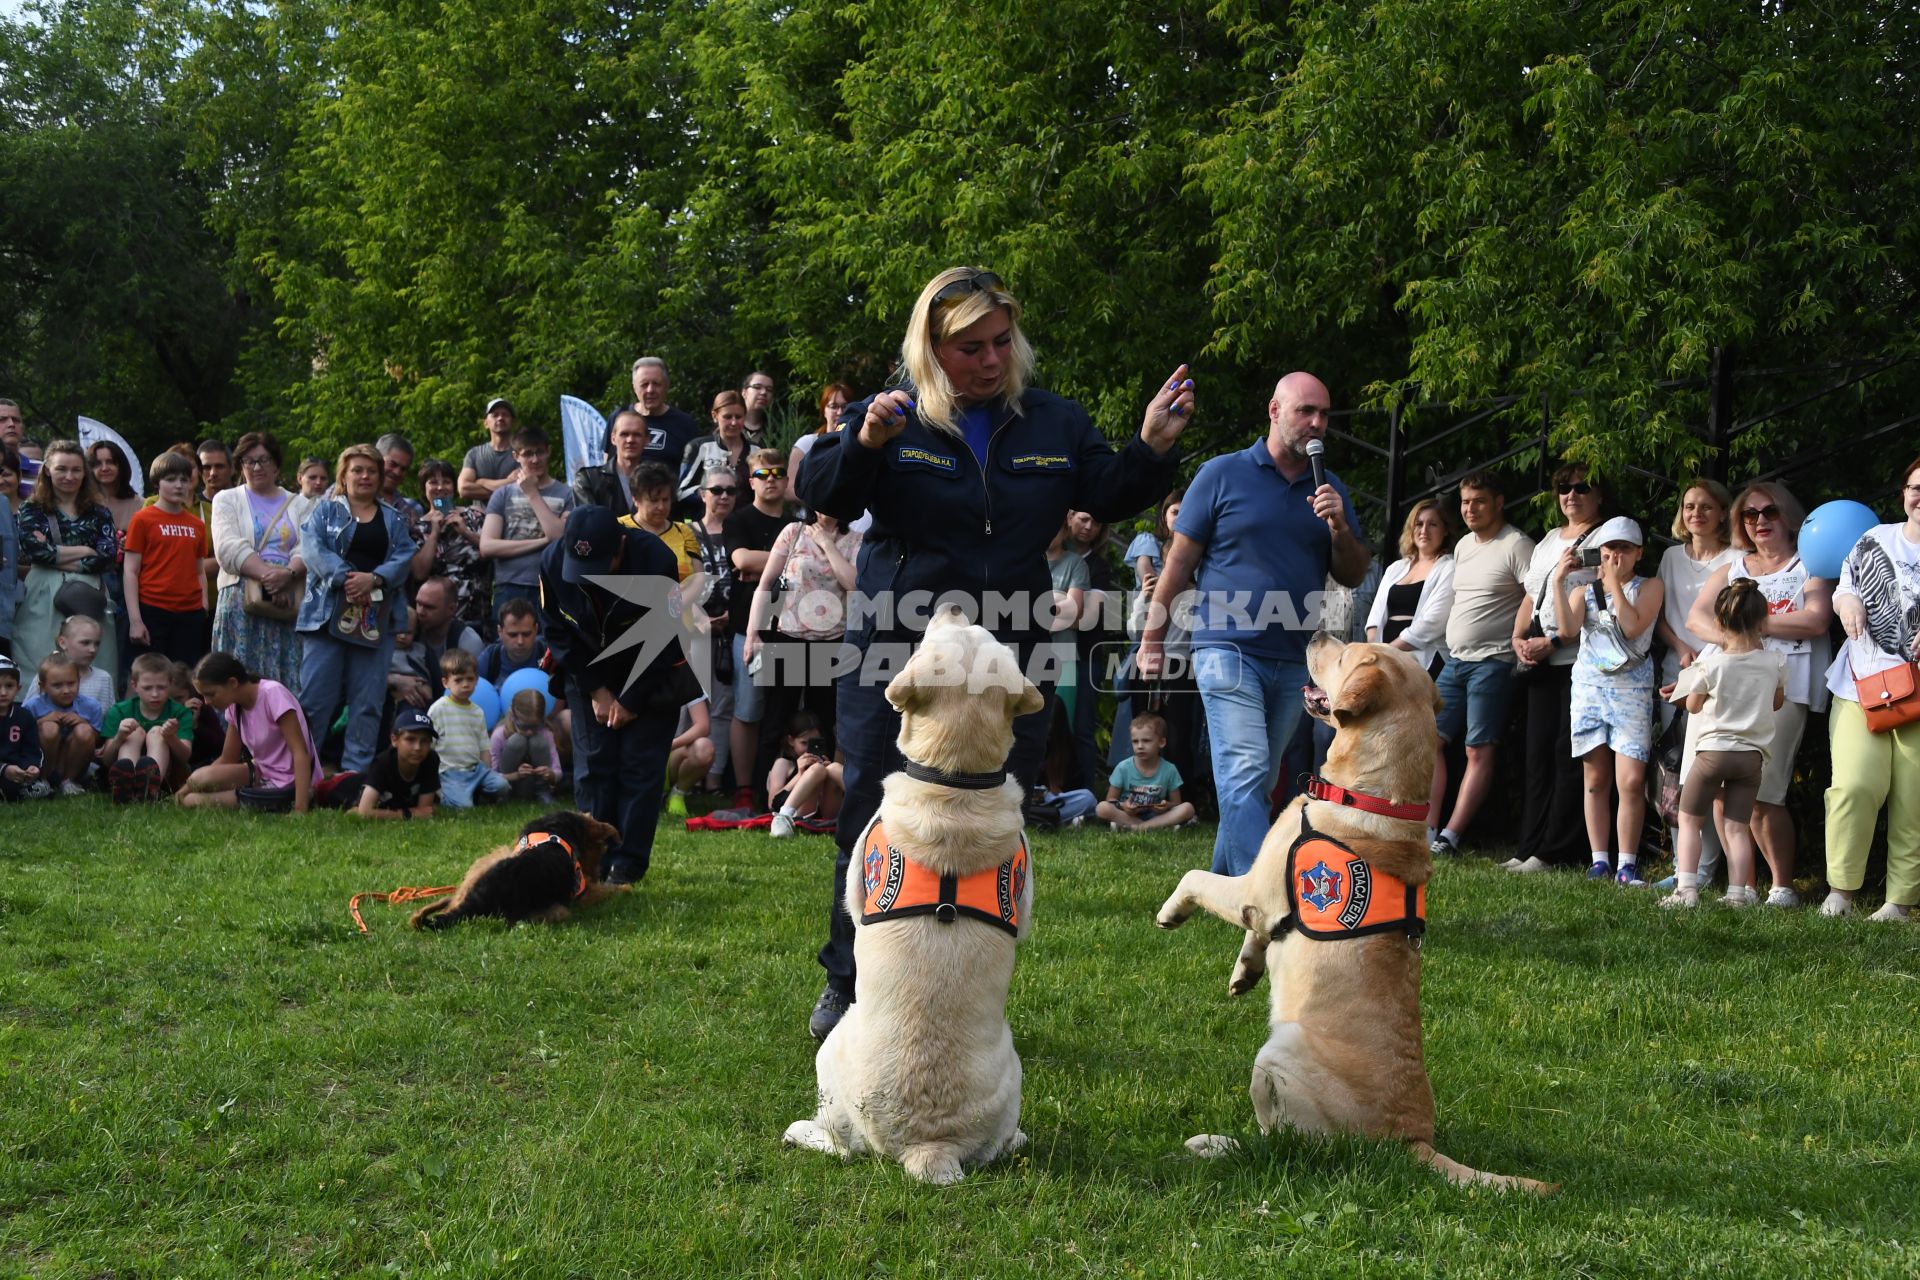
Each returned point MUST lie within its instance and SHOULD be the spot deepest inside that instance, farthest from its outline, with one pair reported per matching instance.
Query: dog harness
(534, 839)
(1336, 894)
(895, 886)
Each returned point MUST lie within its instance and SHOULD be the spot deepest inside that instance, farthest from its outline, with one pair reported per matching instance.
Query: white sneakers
(1890, 911)
(782, 826)
(1782, 895)
(1740, 895)
(1837, 904)
(1532, 866)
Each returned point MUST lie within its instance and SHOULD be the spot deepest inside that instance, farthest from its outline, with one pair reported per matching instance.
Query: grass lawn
(206, 1071)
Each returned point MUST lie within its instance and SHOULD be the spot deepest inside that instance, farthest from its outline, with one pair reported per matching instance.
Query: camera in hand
(1590, 558)
(816, 747)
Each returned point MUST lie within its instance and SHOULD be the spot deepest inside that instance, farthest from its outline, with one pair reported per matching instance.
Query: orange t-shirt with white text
(170, 548)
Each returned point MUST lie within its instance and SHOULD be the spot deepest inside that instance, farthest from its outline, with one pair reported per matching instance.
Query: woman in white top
(1553, 827)
(1410, 610)
(1878, 601)
(1766, 533)
(1702, 525)
(256, 535)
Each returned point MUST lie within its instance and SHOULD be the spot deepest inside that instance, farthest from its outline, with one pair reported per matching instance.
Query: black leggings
(1553, 826)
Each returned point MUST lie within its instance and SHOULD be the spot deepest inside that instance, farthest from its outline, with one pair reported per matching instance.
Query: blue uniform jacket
(942, 521)
(584, 619)
(323, 546)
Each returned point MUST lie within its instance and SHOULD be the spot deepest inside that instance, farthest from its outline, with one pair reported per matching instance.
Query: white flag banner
(92, 433)
(584, 433)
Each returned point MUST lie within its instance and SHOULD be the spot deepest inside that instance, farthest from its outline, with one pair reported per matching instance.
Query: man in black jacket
(611, 635)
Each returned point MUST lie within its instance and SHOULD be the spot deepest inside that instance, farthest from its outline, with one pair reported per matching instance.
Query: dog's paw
(808, 1135)
(935, 1165)
(1173, 912)
(1245, 978)
(1211, 1146)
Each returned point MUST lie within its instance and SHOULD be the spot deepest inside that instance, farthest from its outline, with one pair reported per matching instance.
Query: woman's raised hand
(886, 418)
(1168, 412)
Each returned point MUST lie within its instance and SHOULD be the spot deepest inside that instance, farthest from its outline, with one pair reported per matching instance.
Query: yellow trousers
(1869, 770)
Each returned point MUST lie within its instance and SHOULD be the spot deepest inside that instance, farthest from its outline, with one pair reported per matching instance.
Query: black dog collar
(960, 781)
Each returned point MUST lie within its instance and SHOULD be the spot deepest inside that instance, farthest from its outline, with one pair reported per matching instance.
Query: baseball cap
(592, 534)
(6, 665)
(413, 720)
(499, 402)
(1618, 529)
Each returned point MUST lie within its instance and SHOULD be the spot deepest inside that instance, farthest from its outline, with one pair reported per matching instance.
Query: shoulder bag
(256, 601)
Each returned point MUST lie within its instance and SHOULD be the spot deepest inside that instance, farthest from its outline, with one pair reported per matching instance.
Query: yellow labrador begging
(1336, 902)
(922, 1068)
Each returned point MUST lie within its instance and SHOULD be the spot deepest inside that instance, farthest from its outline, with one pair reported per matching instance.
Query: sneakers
(1837, 904)
(827, 1012)
(1532, 866)
(1667, 884)
(677, 803)
(1782, 895)
(1740, 896)
(1600, 871)
(72, 788)
(1441, 847)
(38, 789)
(1890, 911)
(1628, 877)
(619, 871)
(782, 826)
(1681, 898)
(1511, 864)
(125, 782)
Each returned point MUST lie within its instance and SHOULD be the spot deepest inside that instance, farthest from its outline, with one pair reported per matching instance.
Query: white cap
(1618, 529)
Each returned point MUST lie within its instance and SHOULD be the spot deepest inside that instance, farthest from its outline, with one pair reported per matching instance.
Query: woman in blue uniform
(968, 472)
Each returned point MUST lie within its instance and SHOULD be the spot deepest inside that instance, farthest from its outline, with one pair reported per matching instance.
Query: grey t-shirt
(489, 463)
(518, 522)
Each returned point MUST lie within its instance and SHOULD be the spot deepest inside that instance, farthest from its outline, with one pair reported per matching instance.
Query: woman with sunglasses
(1878, 600)
(1766, 533)
(1553, 826)
(969, 473)
(719, 494)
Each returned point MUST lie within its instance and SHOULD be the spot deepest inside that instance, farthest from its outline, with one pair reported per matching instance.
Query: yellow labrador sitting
(922, 1068)
(1336, 902)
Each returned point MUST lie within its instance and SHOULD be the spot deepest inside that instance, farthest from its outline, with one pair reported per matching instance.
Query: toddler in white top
(1732, 694)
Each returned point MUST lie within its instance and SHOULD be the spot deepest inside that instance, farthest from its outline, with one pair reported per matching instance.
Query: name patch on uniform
(945, 463)
(1041, 462)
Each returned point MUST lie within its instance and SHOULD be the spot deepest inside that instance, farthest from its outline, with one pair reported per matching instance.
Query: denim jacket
(323, 545)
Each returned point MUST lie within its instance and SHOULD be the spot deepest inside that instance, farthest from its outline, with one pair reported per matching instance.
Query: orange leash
(398, 895)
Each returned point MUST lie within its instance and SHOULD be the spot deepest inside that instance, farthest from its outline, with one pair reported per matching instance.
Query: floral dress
(43, 532)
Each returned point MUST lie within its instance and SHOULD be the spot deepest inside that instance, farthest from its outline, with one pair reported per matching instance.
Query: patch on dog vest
(1338, 894)
(535, 839)
(894, 886)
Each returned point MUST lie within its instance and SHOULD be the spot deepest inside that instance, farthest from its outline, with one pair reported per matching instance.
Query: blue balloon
(1829, 533)
(526, 678)
(487, 698)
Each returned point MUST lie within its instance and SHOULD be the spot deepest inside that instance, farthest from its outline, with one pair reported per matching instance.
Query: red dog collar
(1318, 788)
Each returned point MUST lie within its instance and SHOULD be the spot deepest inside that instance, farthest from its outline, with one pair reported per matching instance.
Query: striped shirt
(462, 727)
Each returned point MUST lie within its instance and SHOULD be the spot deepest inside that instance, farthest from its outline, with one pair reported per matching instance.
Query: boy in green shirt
(146, 758)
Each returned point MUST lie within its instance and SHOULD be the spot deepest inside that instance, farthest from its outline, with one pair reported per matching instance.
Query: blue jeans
(459, 788)
(1253, 706)
(332, 673)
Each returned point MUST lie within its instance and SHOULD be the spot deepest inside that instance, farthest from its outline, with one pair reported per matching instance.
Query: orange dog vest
(538, 838)
(896, 886)
(1337, 894)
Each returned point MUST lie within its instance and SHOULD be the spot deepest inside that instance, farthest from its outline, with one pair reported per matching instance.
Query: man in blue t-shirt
(1258, 539)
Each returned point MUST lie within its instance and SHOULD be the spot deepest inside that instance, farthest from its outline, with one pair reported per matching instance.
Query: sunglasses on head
(719, 490)
(1579, 486)
(769, 473)
(1749, 515)
(965, 287)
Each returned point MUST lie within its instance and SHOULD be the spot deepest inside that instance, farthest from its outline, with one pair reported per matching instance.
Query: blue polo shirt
(1266, 558)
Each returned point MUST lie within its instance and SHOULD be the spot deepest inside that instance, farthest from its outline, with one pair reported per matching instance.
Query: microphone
(1315, 450)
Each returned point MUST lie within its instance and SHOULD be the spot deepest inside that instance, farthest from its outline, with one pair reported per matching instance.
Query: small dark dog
(555, 864)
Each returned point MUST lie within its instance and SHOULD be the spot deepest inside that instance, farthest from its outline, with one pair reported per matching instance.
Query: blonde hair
(1713, 489)
(933, 395)
(365, 452)
(1407, 549)
(1778, 494)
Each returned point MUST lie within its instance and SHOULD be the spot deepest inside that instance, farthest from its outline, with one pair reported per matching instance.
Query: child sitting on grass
(690, 755)
(79, 639)
(209, 731)
(465, 774)
(152, 734)
(524, 752)
(1143, 792)
(20, 753)
(1732, 695)
(263, 720)
(803, 782)
(404, 779)
(69, 722)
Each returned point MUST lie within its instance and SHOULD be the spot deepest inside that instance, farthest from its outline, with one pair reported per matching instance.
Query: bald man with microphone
(1258, 533)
